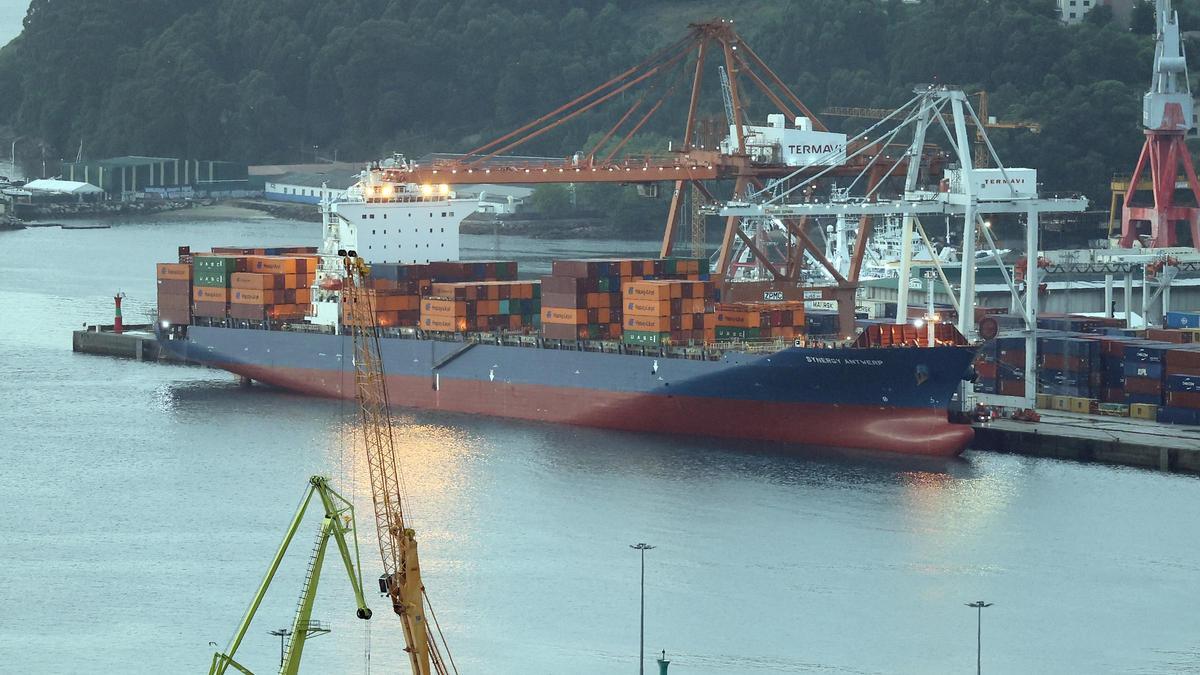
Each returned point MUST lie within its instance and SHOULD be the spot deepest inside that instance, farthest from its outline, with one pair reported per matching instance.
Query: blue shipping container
(1179, 416)
(1150, 399)
(1183, 320)
(1144, 369)
(1183, 383)
(1144, 353)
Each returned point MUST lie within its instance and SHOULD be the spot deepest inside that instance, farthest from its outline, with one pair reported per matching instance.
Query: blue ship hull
(891, 399)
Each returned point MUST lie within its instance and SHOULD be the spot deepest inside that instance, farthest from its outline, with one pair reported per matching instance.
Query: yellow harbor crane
(401, 579)
(338, 524)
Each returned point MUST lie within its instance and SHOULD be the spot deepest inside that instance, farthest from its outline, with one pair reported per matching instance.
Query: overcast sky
(11, 14)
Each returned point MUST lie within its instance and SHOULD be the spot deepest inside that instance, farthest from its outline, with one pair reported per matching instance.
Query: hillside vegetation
(266, 80)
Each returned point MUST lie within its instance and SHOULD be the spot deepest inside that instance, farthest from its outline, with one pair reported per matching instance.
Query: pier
(1091, 438)
(134, 342)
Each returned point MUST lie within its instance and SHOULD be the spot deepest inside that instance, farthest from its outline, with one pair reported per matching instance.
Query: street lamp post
(642, 548)
(979, 605)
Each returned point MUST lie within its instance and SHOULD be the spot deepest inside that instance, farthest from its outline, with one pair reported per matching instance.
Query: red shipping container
(1143, 385)
(1184, 399)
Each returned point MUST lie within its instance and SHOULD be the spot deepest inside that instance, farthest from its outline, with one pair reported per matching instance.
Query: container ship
(642, 345)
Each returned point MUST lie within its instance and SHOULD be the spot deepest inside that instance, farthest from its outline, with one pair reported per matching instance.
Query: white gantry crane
(964, 194)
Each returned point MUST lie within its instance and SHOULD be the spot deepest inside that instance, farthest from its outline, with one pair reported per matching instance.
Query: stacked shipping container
(758, 320)
(481, 306)
(582, 299)
(660, 311)
(1150, 374)
(174, 292)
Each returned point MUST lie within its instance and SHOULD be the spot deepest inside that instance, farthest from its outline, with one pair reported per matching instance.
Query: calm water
(143, 503)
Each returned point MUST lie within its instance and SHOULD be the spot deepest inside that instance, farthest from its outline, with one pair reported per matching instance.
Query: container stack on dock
(174, 293)
(1090, 365)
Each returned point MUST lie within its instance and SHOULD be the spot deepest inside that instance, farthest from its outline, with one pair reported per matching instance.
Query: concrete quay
(135, 342)
(1094, 438)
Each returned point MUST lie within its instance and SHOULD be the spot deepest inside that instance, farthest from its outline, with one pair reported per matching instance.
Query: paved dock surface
(1115, 440)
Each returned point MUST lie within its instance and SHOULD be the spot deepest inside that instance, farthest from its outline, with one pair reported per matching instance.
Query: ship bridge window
(372, 231)
(443, 214)
(451, 214)
(372, 216)
(364, 216)
(443, 229)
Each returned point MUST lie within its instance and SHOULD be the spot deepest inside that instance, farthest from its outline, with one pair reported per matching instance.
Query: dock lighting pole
(282, 634)
(979, 605)
(642, 548)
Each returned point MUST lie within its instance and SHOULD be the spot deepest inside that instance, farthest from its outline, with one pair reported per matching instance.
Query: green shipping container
(638, 337)
(214, 263)
(212, 279)
(726, 333)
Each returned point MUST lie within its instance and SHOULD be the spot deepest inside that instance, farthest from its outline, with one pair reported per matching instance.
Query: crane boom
(401, 579)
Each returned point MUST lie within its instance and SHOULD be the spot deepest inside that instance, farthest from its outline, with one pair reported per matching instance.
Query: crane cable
(440, 635)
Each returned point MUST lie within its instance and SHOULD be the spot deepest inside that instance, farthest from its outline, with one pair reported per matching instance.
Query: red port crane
(696, 158)
(1167, 117)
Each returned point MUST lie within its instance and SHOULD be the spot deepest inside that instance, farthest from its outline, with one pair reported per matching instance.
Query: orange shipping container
(653, 324)
(273, 264)
(252, 280)
(443, 307)
(647, 307)
(247, 296)
(210, 294)
(444, 324)
(303, 296)
(564, 315)
(651, 290)
(174, 271)
(738, 318)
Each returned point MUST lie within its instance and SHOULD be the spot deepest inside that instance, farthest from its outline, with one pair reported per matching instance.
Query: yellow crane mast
(401, 579)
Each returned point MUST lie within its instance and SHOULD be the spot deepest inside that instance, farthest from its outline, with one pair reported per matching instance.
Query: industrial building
(127, 177)
(309, 187)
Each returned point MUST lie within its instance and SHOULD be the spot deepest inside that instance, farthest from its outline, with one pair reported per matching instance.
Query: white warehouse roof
(67, 186)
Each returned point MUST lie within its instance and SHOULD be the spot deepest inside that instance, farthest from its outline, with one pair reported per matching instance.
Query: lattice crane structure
(1167, 117)
(401, 579)
(741, 158)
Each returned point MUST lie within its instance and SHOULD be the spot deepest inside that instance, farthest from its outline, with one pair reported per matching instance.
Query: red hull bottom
(910, 431)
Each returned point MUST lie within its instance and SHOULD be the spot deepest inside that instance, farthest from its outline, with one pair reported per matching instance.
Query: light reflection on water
(147, 501)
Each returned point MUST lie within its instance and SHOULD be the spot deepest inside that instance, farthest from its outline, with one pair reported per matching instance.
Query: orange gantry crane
(401, 579)
(697, 159)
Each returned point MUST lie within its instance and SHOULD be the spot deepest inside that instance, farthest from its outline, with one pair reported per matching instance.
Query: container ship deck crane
(401, 579)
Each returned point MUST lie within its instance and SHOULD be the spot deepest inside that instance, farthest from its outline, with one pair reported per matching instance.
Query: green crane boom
(337, 524)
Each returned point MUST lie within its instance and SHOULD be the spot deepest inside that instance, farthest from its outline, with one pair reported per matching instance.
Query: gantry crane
(744, 162)
(1167, 116)
(401, 579)
(337, 524)
(982, 158)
